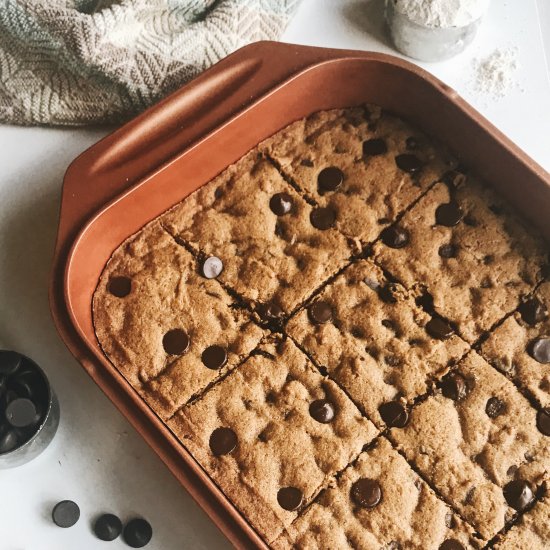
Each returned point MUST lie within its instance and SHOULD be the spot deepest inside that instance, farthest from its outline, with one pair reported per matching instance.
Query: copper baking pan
(154, 161)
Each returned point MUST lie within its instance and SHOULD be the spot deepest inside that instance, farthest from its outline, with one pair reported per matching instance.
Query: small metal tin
(428, 43)
(45, 431)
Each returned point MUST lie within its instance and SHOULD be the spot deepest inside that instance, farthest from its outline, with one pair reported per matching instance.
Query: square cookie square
(407, 515)
(264, 233)
(374, 340)
(257, 436)
(154, 314)
(366, 165)
(520, 347)
(463, 246)
(469, 440)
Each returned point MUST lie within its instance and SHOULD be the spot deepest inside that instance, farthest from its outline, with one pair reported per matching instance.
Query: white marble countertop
(97, 459)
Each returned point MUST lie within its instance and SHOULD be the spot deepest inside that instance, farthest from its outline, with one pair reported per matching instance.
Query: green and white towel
(95, 61)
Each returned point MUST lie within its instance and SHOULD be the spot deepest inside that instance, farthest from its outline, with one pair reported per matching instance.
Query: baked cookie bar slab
(272, 434)
(374, 340)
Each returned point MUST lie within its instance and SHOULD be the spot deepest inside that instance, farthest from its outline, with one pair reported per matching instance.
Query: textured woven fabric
(90, 61)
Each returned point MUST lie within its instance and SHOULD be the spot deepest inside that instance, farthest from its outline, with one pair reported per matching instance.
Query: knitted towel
(95, 61)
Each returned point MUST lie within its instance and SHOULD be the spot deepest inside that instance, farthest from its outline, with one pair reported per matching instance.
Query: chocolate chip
(214, 357)
(439, 328)
(394, 414)
(307, 162)
(408, 163)
(320, 312)
(395, 237)
(119, 286)
(281, 204)
(223, 441)
(137, 533)
(448, 214)
(454, 386)
(495, 407)
(322, 410)
(176, 342)
(543, 421)
(10, 361)
(107, 527)
(451, 544)
(211, 267)
(533, 311)
(22, 413)
(374, 147)
(518, 494)
(448, 251)
(218, 193)
(329, 179)
(66, 513)
(366, 492)
(289, 498)
(322, 218)
(539, 350)
(271, 311)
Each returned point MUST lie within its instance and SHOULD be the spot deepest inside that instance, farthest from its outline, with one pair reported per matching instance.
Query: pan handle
(157, 135)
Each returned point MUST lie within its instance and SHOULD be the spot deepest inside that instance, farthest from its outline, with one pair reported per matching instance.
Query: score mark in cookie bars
(272, 434)
(276, 249)
(364, 165)
(156, 316)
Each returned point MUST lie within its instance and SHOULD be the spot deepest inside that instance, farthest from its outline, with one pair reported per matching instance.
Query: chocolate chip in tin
(320, 312)
(119, 286)
(290, 498)
(408, 163)
(454, 386)
(518, 494)
(451, 544)
(533, 311)
(366, 492)
(374, 147)
(176, 342)
(322, 410)
(214, 357)
(449, 214)
(395, 237)
(10, 361)
(539, 349)
(543, 421)
(322, 218)
(439, 328)
(394, 414)
(281, 204)
(211, 267)
(329, 179)
(223, 441)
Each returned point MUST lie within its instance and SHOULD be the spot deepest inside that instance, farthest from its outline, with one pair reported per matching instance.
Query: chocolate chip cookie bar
(275, 248)
(375, 341)
(155, 315)
(469, 441)
(379, 502)
(471, 258)
(364, 165)
(272, 434)
(520, 346)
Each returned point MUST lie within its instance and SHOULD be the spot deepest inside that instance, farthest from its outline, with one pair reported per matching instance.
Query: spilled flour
(442, 13)
(495, 75)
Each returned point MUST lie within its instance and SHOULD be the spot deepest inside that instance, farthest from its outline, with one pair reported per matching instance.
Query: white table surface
(97, 459)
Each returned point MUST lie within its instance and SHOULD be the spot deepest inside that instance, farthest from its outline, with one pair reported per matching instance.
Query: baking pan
(157, 159)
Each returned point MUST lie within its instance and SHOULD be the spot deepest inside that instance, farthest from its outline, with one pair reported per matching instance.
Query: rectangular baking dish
(157, 159)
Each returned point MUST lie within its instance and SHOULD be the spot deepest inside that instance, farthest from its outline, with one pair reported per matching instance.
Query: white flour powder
(442, 13)
(495, 75)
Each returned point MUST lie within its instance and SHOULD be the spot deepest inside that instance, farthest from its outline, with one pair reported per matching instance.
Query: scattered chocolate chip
(533, 311)
(66, 513)
(448, 214)
(543, 421)
(214, 357)
(451, 544)
(395, 237)
(10, 361)
(366, 492)
(448, 251)
(394, 414)
(176, 342)
(408, 163)
(495, 407)
(107, 527)
(119, 286)
(539, 350)
(320, 312)
(211, 267)
(374, 147)
(322, 218)
(322, 410)
(518, 494)
(137, 533)
(289, 498)
(439, 328)
(281, 204)
(223, 441)
(329, 179)
(454, 386)
(22, 413)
